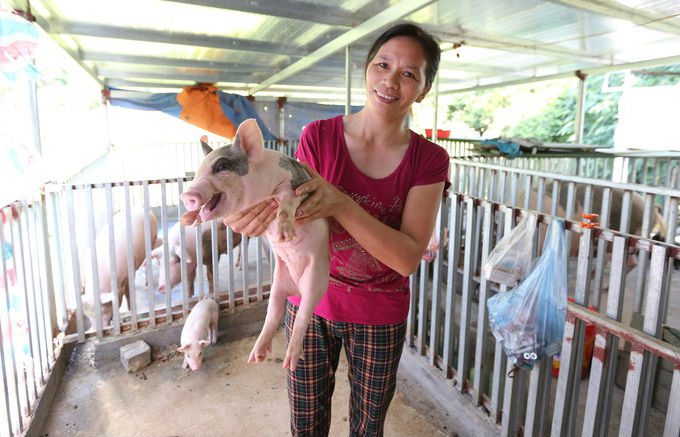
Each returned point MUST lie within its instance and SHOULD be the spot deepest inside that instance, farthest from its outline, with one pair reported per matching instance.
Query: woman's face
(395, 77)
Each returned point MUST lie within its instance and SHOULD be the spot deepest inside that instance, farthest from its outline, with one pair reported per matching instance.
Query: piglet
(233, 178)
(199, 330)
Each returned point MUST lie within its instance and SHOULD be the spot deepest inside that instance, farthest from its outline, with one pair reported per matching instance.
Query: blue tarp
(236, 108)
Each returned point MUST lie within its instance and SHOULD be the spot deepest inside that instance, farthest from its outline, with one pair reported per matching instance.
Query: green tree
(477, 109)
(556, 122)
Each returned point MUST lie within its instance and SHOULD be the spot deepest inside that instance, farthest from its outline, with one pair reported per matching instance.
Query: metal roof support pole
(580, 107)
(281, 101)
(32, 92)
(348, 80)
(436, 108)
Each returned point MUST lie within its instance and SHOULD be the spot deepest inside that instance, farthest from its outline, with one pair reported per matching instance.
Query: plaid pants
(373, 353)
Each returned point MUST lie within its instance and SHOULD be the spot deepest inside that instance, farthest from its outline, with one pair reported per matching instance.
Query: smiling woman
(379, 185)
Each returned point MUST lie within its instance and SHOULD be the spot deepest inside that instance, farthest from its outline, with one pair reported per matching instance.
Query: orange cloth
(201, 107)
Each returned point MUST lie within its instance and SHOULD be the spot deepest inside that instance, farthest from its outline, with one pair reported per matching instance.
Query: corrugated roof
(295, 47)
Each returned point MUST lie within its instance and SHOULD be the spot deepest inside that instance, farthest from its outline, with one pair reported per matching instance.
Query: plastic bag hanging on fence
(510, 260)
(529, 320)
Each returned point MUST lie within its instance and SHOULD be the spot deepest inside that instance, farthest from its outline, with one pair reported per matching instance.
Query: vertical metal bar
(500, 360)
(540, 194)
(569, 213)
(198, 248)
(113, 268)
(92, 238)
(556, 199)
(603, 365)
(412, 311)
(183, 250)
(511, 402)
(214, 235)
(643, 256)
(132, 297)
(601, 248)
(348, 80)
(670, 239)
(59, 249)
(565, 380)
(540, 380)
(672, 426)
(49, 278)
(451, 281)
(481, 375)
(527, 192)
(580, 111)
(230, 257)
(258, 266)
(35, 285)
(147, 245)
(435, 319)
(466, 299)
(422, 308)
(436, 109)
(166, 255)
(45, 317)
(652, 325)
(12, 348)
(245, 241)
(75, 264)
(624, 223)
(629, 420)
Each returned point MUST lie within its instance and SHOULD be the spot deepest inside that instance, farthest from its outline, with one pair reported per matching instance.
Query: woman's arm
(400, 249)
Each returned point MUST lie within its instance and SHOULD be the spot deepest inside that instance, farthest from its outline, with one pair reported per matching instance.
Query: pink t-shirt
(361, 288)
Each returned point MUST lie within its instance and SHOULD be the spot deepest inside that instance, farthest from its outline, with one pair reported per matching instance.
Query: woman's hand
(324, 200)
(253, 221)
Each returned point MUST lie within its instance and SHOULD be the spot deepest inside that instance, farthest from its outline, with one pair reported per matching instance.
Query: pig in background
(121, 254)
(175, 254)
(200, 330)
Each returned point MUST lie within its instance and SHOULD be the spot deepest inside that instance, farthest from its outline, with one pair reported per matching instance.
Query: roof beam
(181, 38)
(294, 10)
(169, 75)
(224, 67)
(519, 45)
(617, 10)
(567, 74)
(384, 18)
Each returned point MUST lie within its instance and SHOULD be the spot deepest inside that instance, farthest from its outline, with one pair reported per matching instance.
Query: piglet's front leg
(285, 216)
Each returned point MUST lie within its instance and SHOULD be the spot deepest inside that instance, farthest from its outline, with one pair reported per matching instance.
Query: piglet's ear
(249, 139)
(181, 349)
(205, 146)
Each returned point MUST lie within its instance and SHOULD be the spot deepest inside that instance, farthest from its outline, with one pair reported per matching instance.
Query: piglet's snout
(192, 200)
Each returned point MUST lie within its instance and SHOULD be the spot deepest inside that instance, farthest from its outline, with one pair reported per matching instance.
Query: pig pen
(449, 353)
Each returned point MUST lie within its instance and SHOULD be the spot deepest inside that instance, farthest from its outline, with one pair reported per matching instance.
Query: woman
(380, 185)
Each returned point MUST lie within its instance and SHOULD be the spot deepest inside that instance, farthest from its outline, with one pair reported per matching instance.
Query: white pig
(175, 255)
(233, 178)
(121, 251)
(200, 329)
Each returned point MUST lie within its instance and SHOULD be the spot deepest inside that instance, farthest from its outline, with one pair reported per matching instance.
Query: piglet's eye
(220, 166)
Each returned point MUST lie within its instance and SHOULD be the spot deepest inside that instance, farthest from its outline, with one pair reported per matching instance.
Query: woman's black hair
(427, 42)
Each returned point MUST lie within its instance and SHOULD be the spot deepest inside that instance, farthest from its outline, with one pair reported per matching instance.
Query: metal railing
(89, 223)
(448, 326)
(627, 208)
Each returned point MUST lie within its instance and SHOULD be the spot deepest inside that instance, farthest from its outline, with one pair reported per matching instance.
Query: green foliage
(656, 76)
(477, 110)
(556, 122)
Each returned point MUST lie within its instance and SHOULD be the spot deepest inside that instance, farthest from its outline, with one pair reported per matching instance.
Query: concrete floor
(227, 397)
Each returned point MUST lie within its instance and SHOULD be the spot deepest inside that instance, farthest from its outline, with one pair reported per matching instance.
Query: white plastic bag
(510, 261)
(529, 320)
